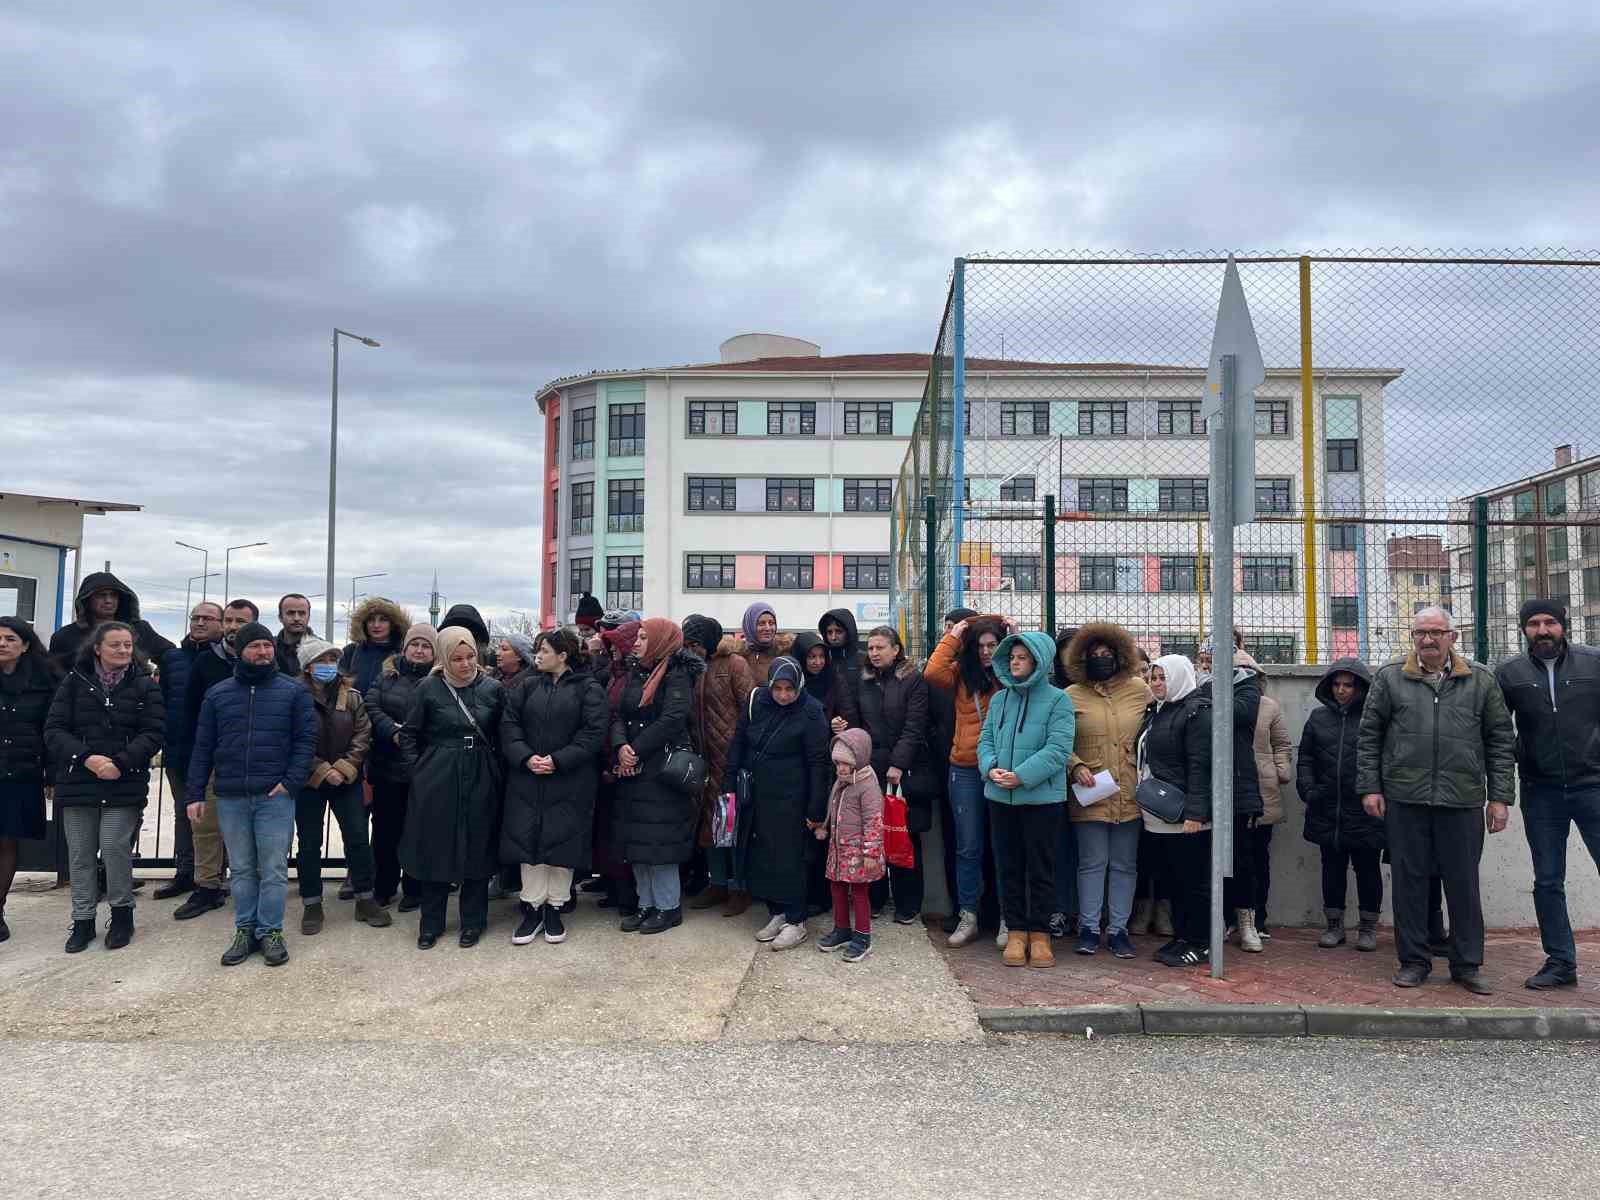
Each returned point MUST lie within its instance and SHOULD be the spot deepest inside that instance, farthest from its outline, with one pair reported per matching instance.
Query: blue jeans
(659, 886)
(970, 810)
(257, 830)
(1548, 812)
(1102, 848)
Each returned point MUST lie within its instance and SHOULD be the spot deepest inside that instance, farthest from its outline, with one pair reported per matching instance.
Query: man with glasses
(205, 627)
(1435, 742)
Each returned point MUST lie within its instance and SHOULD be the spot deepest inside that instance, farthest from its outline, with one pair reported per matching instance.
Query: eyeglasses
(1432, 635)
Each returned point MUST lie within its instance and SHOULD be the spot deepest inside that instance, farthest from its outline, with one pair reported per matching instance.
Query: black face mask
(254, 673)
(1100, 667)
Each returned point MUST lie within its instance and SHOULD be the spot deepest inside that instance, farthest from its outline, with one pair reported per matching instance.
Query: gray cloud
(190, 200)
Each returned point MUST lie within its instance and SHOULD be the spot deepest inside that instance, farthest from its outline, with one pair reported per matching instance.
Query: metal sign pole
(1222, 518)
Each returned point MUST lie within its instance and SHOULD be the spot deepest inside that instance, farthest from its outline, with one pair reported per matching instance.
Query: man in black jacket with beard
(1553, 692)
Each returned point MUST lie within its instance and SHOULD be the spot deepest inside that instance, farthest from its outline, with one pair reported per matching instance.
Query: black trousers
(1261, 870)
(1336, 866)
(474, 905)
(389, 802)
(1427, 840)
(1025, 850)
(904, 884)
(1239, 889)
(1187, 858)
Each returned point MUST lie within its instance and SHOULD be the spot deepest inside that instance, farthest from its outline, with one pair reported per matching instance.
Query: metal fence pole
(1480, 576)
(958, 419)
(1049, 565)
(1308, 461)
(930, 578)
(1222, 518)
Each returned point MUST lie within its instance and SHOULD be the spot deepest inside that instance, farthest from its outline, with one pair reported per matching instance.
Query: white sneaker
(1001, 938)
(789, 937)
(966, 929)
(771, 929)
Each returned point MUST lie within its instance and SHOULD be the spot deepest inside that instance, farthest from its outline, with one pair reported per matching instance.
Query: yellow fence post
(1308, 460)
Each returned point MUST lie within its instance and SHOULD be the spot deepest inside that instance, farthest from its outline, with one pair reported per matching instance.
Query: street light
(205, 566)
(333, 462)
(355, 579)
(227, 554)
(188, 592)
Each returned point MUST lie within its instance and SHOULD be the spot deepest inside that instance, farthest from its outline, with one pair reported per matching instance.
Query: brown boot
(737, 904)
(1016, 952)
(711, 897)
(1039, 952)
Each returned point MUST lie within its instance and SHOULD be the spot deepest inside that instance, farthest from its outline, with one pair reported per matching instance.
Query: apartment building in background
(770, 474)
(1419, 577)
(1533, 553)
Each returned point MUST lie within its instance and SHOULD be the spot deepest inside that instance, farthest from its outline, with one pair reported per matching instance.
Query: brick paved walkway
(1292, 970)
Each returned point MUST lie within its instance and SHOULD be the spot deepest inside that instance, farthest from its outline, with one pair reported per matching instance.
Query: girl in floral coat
(855, 850)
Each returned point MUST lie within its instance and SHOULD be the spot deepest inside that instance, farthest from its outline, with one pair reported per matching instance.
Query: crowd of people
(671, 765)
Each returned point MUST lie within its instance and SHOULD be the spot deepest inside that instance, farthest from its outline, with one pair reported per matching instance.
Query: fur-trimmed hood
(902, 669)
(399, 620)
(727, 647)
(1115, 636)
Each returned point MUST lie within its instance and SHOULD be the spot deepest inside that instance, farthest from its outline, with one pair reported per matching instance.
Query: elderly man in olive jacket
(1435, 742)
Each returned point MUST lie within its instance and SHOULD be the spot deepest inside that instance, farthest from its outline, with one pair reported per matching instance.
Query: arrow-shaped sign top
(1236, 335)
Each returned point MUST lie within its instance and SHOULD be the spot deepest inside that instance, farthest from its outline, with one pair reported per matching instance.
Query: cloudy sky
(192, 195)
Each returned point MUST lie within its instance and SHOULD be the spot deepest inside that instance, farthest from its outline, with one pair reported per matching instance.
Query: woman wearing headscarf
(1175, 748)
(1101, 664)
(655, 825)
(513, 659)
(453, 818)
(894, 713)
(720, 695)
(963, 663)
(762, 642)
(824, 682)
(103, 728)
(553, 733)
(1023, 752)
(782, 741)
(388, 703)
(27, 682)
(617, 647)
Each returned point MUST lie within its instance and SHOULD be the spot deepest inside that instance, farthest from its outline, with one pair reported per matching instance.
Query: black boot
(178, 886)
(1367, 934)
(80, 937)
(120, 931)
(5, 930)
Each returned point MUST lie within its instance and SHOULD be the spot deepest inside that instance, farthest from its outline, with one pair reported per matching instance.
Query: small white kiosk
(35, 534)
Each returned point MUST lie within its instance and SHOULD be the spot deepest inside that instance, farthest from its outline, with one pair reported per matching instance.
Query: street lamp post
(227, 554)
(205, 566)
(355, 579)
(188, 593)
(333, 464)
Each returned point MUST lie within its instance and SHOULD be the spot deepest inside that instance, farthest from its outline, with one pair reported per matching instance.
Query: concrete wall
(1507, 873)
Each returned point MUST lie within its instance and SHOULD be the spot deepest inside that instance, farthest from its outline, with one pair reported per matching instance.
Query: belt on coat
(468, 741)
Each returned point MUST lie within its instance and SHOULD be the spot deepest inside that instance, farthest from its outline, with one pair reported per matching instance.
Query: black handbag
(684, 771)
(922, 792)
(1161, 800)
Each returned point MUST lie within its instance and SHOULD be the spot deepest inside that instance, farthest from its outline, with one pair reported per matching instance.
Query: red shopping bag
(896, 836)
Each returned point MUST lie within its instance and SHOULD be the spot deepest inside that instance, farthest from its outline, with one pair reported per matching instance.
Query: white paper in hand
(1104, 785)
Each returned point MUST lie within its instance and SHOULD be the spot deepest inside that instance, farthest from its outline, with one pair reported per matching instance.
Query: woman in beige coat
(1101, 665)
(1274, 767)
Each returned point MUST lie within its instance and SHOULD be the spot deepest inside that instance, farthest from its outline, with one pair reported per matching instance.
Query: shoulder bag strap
(465, 712)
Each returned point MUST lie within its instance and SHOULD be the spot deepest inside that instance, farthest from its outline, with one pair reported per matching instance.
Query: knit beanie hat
(703, 630)
(255, 631)
(590, 610)
(310, 649)
(420, 630)
(1551, 608)
(522, 645)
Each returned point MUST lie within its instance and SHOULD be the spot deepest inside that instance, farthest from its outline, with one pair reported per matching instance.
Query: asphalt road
(1005, 1117)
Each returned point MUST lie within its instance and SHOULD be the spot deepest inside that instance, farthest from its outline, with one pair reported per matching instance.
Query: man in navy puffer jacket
(256, 740)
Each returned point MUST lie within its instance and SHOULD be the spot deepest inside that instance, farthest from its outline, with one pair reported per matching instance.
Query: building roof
(1580, 466)
(97, 507)
(1418, 552)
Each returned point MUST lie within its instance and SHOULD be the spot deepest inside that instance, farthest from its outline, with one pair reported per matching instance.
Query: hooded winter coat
(1246, 708)
(1028, 729)
(720, 695)
(1108, 716)
(785, 749)
(944, 671)
(1274, 760)
(846, 661)
(388, 702)
(363, 658)
(550, 818)
(123, 724)
(1325, 774)
(66, 642)
(1448, 744)
(25, 700)
(344, 731)
(826, 687)
(468, 618)
(1177, 750)
(452, 828)
(653, 824)
(855, 814)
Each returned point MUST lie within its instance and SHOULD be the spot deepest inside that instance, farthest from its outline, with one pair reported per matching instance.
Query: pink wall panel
(1346, 643)
(749, 571)
(1152, 573)
(1342, 573)
(1066, 572)
(1238, 573)
(826, 566)
(984, 578)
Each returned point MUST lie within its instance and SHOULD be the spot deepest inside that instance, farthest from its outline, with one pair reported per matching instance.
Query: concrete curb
(1261, 1020)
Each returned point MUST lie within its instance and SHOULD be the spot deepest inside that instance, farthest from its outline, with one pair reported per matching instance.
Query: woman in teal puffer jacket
(1023, 753)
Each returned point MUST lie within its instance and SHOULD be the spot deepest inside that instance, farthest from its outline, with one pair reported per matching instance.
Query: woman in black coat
(552, 733)
(782, 740)
(27, 683)
(1325, 775)
(1174, 748)
(388, 703)
(894, 710)
(104, 727)
(655, 825)
(453, 817)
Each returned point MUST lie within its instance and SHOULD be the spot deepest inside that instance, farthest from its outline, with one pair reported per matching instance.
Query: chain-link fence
(1420, 439)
